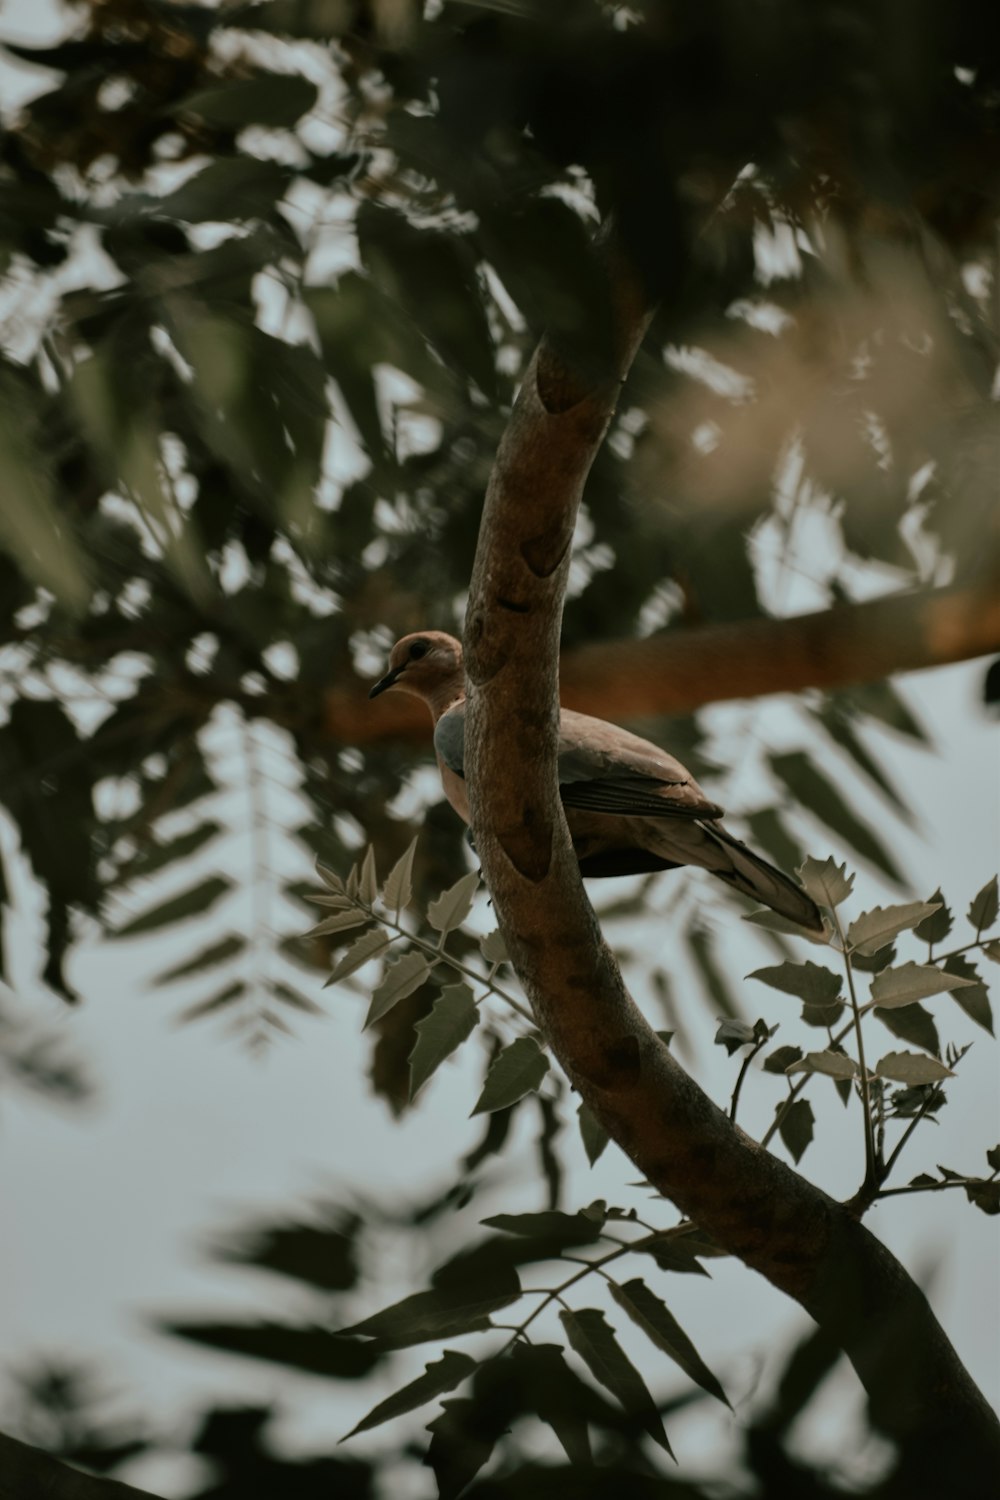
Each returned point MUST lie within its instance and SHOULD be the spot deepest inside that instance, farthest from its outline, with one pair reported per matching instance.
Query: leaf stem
(871, 1166)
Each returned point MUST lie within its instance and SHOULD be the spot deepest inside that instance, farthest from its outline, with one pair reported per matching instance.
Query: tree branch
(27, 1473)
(755, 1206)
(691, 666)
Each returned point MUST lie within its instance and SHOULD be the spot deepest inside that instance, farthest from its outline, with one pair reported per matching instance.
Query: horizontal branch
(686, 668)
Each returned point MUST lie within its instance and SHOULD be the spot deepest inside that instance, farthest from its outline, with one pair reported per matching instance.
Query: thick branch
(687, 668)
(755, 1206)
(27, 1473)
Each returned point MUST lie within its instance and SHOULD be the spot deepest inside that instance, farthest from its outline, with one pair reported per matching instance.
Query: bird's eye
(418, 649)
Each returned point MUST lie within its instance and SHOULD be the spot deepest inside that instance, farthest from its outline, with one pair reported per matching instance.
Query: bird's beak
(387, 681)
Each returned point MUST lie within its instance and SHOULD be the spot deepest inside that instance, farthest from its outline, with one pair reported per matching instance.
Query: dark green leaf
(781, 1059)
(908, 982)
(444, 1312)
(274, 99)
(874, 929)
(795, 1126)
(518, 1070)
(453, 1018)
(809, 982)
(935, 928)
(442, 1375)
(985, 905)
(557, 1396)
(321, 1255)
(397, 893)
(556, 1230)
(209, 958)
(196, 901)
(311, 1349)
(370, 945)
(592, 1133)
(825, 881)
(833, 1064)
(814, 789)
(593, 1339)
(985, 1195)
(242, 187)
(703, 953)
(840, 729)
(913, 1024)
(219, 1001)
(401, 979)
(972, 997)
(462, 1439)
(451, 908)
(659, 1325)
(910, 1068)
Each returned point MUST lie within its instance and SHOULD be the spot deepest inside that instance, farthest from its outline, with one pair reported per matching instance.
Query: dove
(630, 806)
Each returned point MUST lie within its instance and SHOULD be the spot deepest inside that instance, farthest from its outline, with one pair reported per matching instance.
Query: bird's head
(427, 664)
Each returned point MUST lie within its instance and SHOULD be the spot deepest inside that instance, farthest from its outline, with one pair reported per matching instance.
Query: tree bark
(756, 1207)
(688, 667)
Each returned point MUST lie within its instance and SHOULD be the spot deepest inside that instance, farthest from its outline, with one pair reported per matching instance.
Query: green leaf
(397, 893)
(677, 1253)
(825, 881)
(781, 1059)
(453, 905)
(219, 1001)
(330, 878)
(274, 99)
(831, 1064)
(443, 1312)
(311, 1349)
(875, 929)
(442, 1375)
(908, 982)
(985, 906)
(992, 951)
(463, 1436)
(809, 982)
(341, 921)
(973, 996)
(557, 1230)
(196, 901)
(703, 953)
(231, 187)
(840, 729)
(984, 1195)
(814, 789)
(494, 949)
(911, 1068)
(660, 1326)
(368, 946)
(594, 1341)
(452, 1018)
(557, 1396)
(911, 1023)
(518, 1070)
(401, 979)
(209, 958)
(935, 928)
(795, 1126)
(592, 1133)
(368, 879)
(773, 921)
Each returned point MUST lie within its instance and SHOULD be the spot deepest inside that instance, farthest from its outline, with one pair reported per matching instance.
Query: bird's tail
(754, 876)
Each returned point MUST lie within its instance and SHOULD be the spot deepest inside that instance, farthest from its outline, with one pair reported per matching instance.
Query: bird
(631, 807)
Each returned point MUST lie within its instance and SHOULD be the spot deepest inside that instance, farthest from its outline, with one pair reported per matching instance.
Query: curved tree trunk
(756, 1207)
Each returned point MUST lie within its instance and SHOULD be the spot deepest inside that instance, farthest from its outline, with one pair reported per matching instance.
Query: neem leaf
(985, 1195)
(494, 949)
(369, 945)
(401, 979)
(972, 997)
(876, 928)
(592, 1133)
(556, 1229)
(908, 982)
(197, 900)
(275, 99)
(443, 1312)
(518, 1070)
(594, 1341)
(825, 881)
(911, 1023)
(911, 1067)
(453, 905)
(659, 1325)
(992, 951)
(208, 958)
(463, 1435)
(441, 1375)
(810, 982)
(312, 1349)
(814, 789)
(795, 1126)
(452, 1018)
(397, 892)
(226, 996)
(832, 1064)
(935, 928)
(368, 879)
(330, 878)
(781, 1059)
(341, 921)
(985, 905)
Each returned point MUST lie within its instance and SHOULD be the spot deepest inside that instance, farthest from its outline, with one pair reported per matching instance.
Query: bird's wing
(601, 769)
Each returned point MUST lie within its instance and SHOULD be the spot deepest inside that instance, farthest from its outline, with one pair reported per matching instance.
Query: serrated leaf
(911, 1068)
(494, 949)
(518, 1070)
(992, 951)
(733, 1035)
(557, 1230)
(368, 878)
(935, 928)
(196, 901)
(674, 1253)
(401, 979)
(208, 958)
(311, 1349)
(368, 946)
(330, 878)
(984, 1195)
(593, 1339)
(592, 1133)
(463, 1437)
(831, 1064)
(453, 905)
(913, 1024)
(453, 1017)
(341, 921)
(795, 1127)
(781, 1059)
(993, 1158)
(825, 881)
(814, 789)
(226, 996)
(773, 921)
(557, 1396)
(397, 893)
(286, 995)
(441, 1375)
(973, 996)
(874, 929)
(908, 982)
(985, 905)
(813, 983)
(658, 1323)
(443, 1312)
